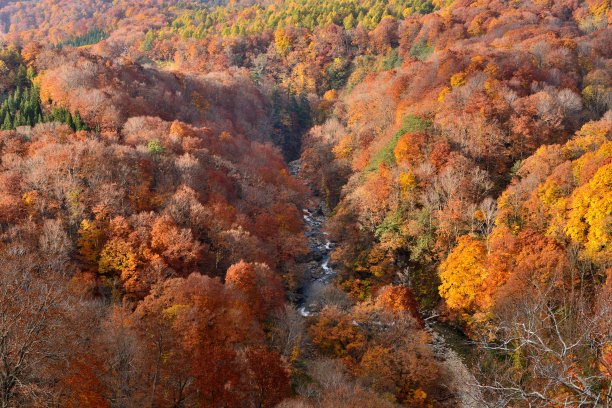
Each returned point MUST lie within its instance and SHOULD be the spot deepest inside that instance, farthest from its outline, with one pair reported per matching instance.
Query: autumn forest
(305, 203)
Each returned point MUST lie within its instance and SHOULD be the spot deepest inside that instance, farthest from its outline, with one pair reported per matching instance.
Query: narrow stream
(450, 346)
(318, 273)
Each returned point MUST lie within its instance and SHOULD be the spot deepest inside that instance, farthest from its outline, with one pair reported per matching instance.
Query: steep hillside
(441, 238)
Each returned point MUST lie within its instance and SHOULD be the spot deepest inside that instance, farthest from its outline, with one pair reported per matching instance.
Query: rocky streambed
(448, 345)
(318, 272)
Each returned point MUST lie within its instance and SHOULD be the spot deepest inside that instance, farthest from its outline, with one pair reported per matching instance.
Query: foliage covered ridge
(453, 172)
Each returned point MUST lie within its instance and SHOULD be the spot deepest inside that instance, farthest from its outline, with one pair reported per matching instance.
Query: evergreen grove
(23, 107)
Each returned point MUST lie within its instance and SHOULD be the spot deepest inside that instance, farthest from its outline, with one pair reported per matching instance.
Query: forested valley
(305, 203)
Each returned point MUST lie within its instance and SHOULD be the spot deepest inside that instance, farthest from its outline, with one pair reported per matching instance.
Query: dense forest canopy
(175, 176)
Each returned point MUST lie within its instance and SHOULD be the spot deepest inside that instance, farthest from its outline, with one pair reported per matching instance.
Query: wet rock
(313, 271)
(316, 255)
(316, 274)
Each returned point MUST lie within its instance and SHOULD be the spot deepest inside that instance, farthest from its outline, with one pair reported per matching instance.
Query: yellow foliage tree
(445, 91)
(302, 78)
(281, 41)
(407, 183)
(590, 217)
(344, 148)
(330, 95)
(458, 79)
(117, 257)
(90, 240)
(463, 273)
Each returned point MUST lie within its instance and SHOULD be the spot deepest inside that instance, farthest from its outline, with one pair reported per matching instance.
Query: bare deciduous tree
(546, 350)
(29, 321)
